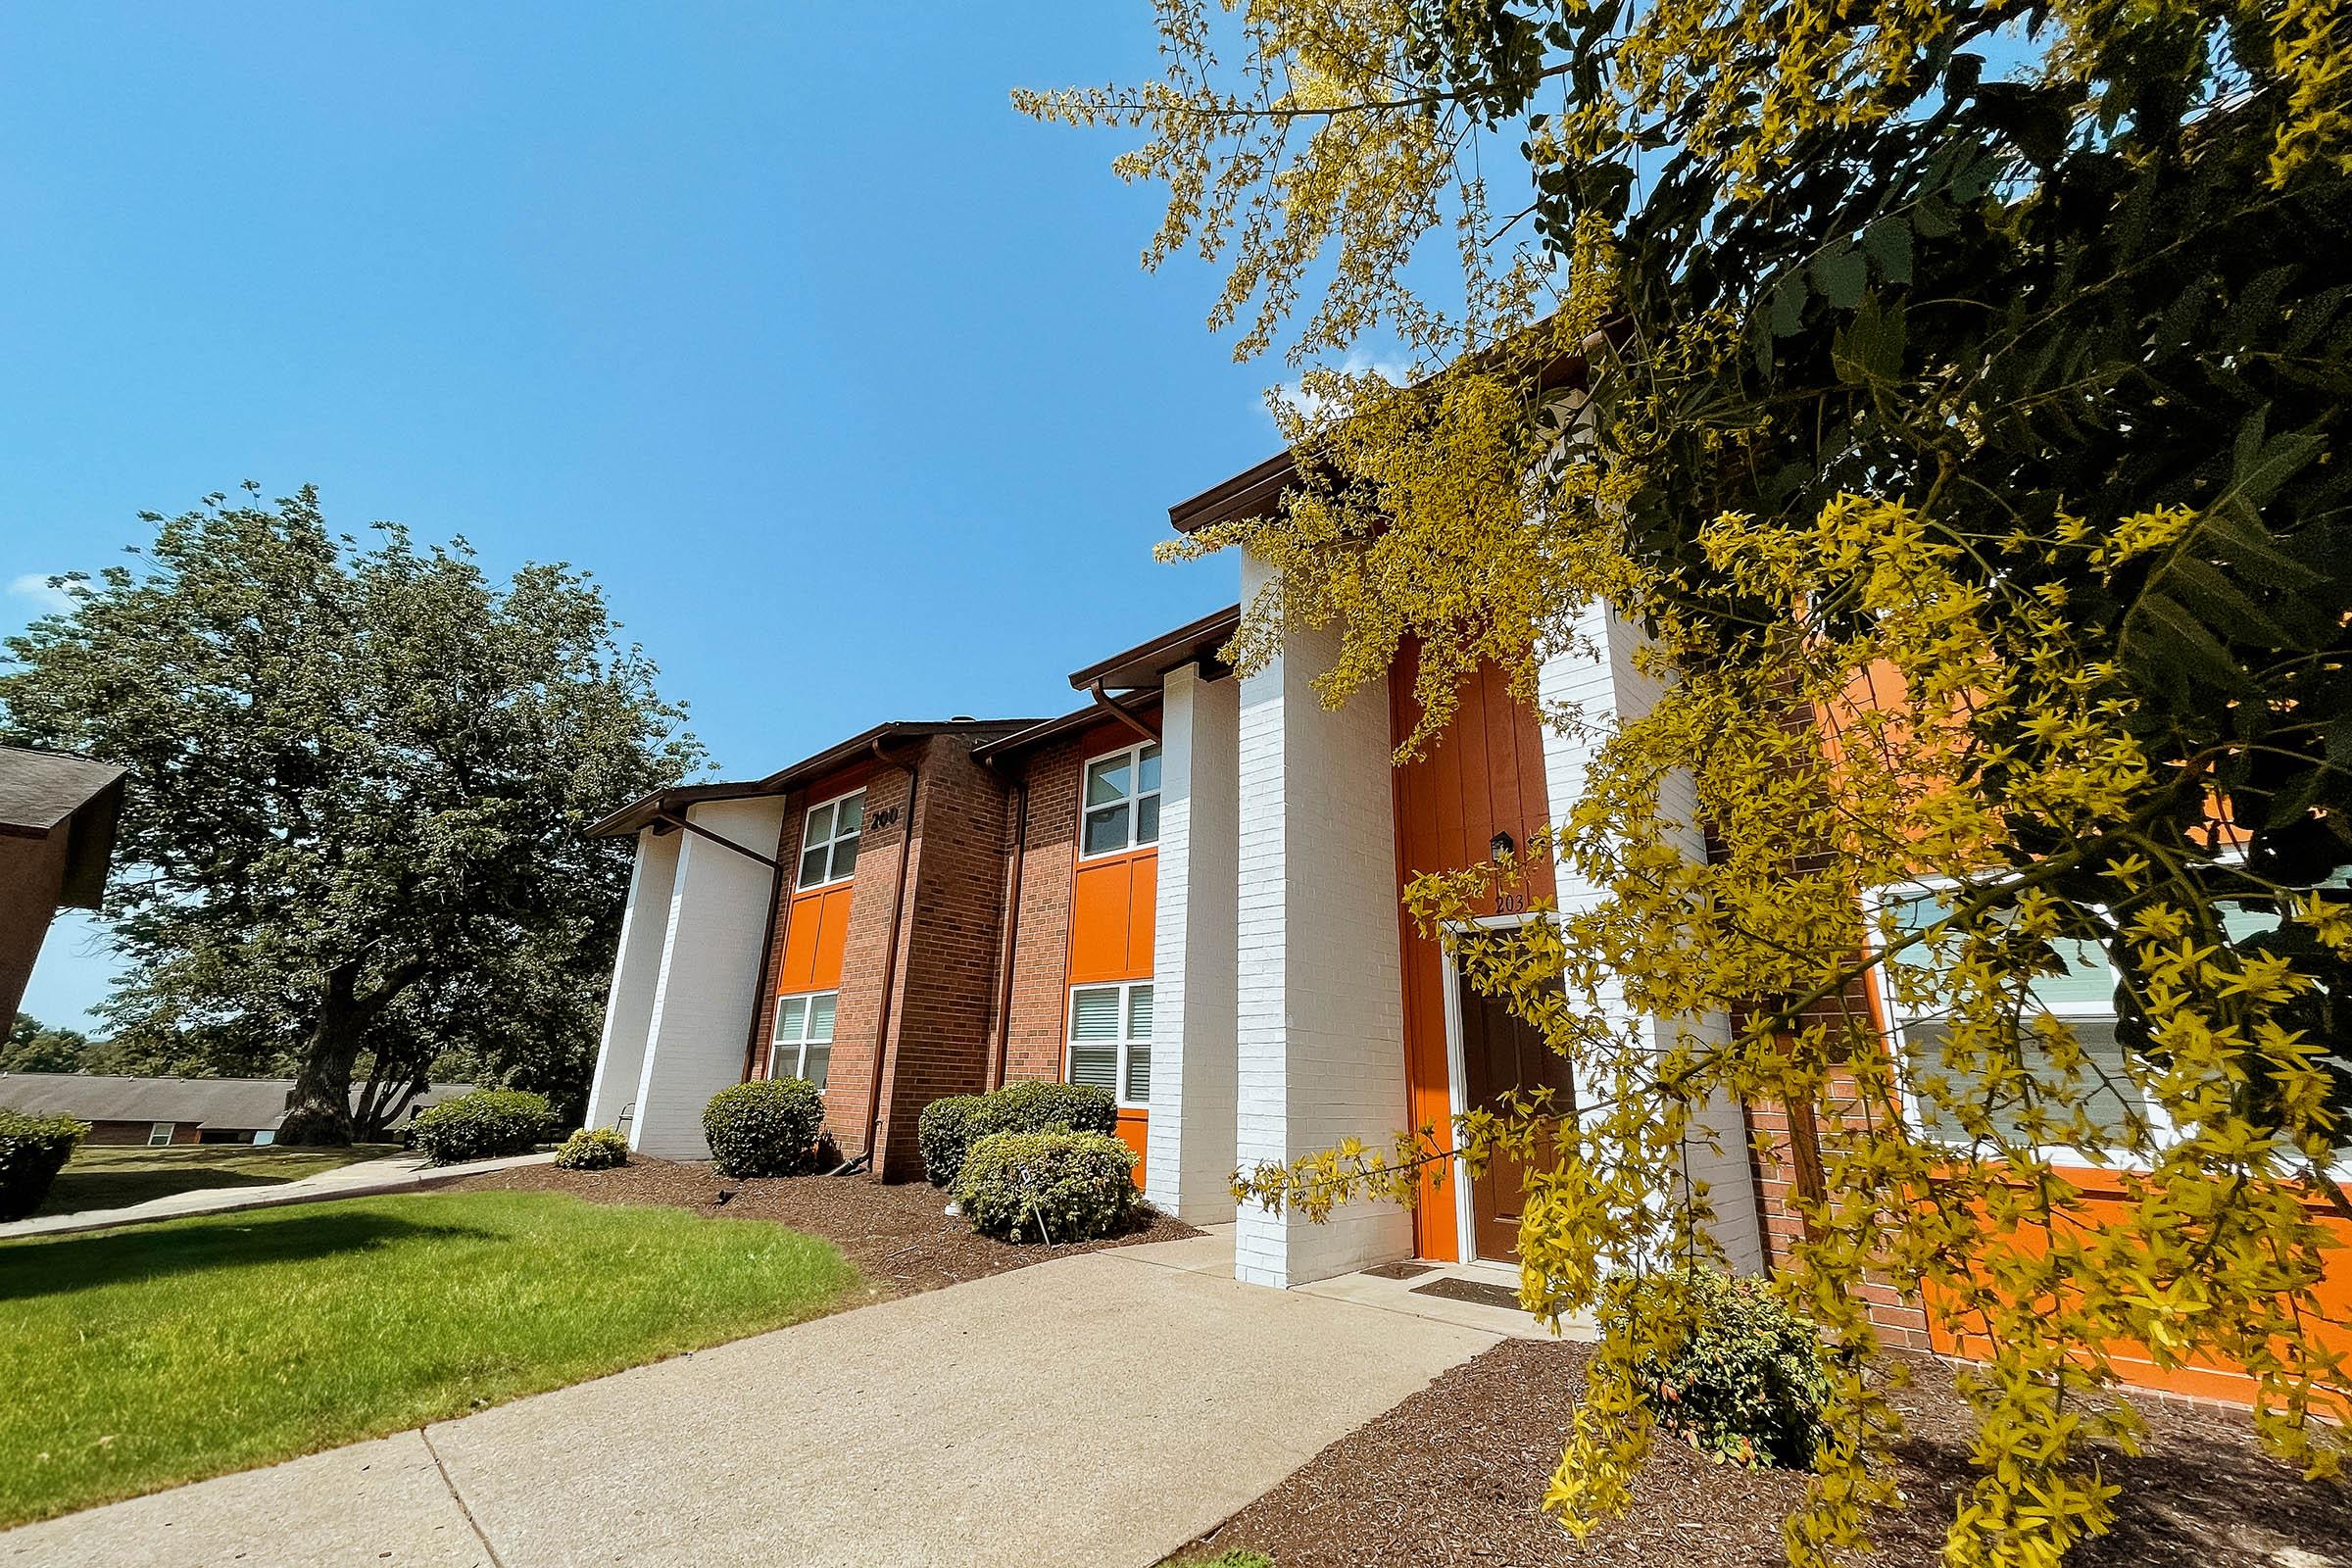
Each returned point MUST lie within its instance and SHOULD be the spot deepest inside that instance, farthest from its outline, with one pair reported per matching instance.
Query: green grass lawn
(117, 1175)
(141, 1357)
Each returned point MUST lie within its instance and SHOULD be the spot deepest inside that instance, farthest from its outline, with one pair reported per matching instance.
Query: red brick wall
(1032, 1034)
(1785, 1162)
(948, 964)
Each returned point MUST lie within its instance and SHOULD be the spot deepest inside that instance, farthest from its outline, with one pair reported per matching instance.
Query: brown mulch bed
(1452, 1474)
(897, 1235)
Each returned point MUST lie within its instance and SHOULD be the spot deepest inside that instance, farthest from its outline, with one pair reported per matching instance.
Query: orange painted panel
(2205, 1380)
(815, 926)
(1112, 903)
(1482, 775)
(1132, 1129)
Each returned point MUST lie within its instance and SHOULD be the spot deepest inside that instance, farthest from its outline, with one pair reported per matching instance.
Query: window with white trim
(803, 1047)
(1122, 800)
(1110, 1039)
(829, 839)
(2078, 1000)
(160, 1133)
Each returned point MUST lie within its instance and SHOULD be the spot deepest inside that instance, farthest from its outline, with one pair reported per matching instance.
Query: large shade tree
(1953, 392)
(361, 772)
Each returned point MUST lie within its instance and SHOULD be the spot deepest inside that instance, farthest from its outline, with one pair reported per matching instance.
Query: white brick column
(702, 1011)
(1320, 997)
(636, 971)
(1603, 682)
(1190, 1167)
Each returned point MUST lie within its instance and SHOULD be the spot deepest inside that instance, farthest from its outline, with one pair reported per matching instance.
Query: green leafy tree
(361, 774)
(34, 1047)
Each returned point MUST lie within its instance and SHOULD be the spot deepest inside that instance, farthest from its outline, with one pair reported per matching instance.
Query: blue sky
(842, 378)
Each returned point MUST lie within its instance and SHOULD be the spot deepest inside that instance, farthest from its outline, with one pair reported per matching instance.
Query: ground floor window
(803, 1043)
(1110, 1039)
(2066, 1039)
(160, 1133)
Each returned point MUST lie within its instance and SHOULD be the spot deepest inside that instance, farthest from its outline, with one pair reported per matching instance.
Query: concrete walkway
(1098, 1410)
(402, 1173)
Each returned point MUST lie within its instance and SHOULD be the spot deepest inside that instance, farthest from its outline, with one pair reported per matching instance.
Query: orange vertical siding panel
(817, 923)
(1482, 774)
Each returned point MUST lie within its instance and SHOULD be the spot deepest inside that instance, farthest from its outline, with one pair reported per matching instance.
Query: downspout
(767, 944)
(883, 1052)
(1012, 935)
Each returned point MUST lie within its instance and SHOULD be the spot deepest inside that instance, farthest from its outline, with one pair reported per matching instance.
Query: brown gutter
(883, 1052)
(1103, 701)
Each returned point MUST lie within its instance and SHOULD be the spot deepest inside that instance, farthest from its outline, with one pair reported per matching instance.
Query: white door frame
(1458, 1075)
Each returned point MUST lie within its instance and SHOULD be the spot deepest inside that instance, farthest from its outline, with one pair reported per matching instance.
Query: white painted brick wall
(1319, 996)
(636, 973)
(1603, 682)
(702, 1011)
(1190, 1165)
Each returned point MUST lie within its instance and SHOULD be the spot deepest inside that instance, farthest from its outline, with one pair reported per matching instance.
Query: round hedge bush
(949, 1127)
(767, 1127)
(945, 1132)
(33, 1150)
(1750, 1382)
(593, 1149)
(1054, 1186)
(482, 1125)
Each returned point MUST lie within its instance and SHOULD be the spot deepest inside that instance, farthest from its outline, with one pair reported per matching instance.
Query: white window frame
(1125, 1045)
(166, 1128)
(800, 1044)
(2160, 1126)
(1134, 798)
(831, 843)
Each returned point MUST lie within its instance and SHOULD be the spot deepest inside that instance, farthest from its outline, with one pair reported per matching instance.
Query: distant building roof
(44, 792)
(236, 1104)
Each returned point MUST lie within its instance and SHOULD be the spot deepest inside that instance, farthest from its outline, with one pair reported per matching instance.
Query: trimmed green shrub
(767, 1127)
(949, 1127)
(33, 1150)
(482, 1125)
(1056, 1186)
(1749, 1382)
(593, 1149)
(1036, 1104)
(945, 1132)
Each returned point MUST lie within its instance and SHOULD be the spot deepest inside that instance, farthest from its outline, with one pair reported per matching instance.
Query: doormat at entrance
(1478, 1291)
(1399, 1271)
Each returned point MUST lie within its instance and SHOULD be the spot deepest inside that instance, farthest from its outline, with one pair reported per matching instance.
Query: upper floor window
(1122, 800)
(829, 840)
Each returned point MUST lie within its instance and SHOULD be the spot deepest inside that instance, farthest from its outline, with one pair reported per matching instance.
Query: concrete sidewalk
(402, 1173)
(1100, 1410)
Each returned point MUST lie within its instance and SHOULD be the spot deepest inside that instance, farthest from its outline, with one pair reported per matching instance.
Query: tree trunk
(319, 1110)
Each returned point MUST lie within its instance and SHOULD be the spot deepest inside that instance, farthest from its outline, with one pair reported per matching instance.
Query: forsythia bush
(593, 1149)
(1056, 1186)
(1750, 1382)
(765, 1128)
(482, 1125)
(33, 1150)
